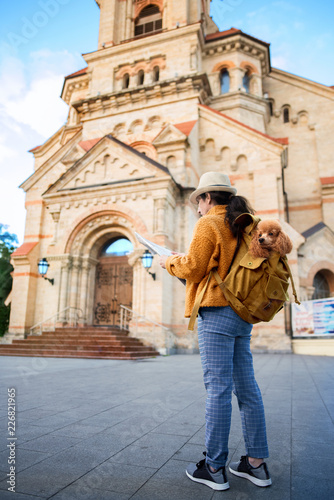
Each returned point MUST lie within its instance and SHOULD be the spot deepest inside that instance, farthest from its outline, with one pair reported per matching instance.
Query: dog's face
(268, 233)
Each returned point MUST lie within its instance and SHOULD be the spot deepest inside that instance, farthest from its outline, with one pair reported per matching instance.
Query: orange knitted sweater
(212, 247)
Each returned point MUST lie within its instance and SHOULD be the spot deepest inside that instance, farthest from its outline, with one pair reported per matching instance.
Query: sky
(41, 41)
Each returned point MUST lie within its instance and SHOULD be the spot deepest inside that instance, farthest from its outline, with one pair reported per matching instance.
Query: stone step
(90, 342)
(86, 354)
(76, 347)
(75, 340)
(90, 330)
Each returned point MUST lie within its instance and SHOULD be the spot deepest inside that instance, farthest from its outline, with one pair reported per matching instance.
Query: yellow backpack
(255, 288)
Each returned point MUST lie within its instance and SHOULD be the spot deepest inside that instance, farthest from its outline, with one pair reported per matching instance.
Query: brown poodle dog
(269, 237)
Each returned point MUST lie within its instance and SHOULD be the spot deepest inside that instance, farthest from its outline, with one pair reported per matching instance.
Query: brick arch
(90, 216)
(248, 66)
(126, 69)
(140, 5)
(140, 66)
(145, 147)
(327, 267)
(223, 65)
(158, 61)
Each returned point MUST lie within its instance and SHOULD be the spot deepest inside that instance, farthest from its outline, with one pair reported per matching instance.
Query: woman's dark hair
(235, 206)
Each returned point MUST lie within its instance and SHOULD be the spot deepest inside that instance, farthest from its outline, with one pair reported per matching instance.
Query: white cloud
(30, 93)
(40, 107)
(30, 112)
(280, 62)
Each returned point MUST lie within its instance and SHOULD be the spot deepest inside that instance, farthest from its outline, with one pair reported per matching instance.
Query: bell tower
(122, 20)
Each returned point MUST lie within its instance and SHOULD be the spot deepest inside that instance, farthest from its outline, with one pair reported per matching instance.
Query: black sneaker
(201, 473)
(257, 475)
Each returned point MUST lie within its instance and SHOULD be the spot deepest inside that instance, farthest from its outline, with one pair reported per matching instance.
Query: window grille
(149, 21)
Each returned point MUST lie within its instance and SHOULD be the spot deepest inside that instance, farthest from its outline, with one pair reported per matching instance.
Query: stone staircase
(80, 342)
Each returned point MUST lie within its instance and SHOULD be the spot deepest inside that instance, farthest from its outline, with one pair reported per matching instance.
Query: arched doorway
(113, 283)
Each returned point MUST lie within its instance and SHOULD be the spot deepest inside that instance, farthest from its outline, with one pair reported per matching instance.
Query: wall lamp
(43, 267)
(147, 259)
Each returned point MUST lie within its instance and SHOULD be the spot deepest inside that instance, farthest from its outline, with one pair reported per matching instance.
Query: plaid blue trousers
(227, 362)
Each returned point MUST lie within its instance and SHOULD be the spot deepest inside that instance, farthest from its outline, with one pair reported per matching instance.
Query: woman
(224, 338)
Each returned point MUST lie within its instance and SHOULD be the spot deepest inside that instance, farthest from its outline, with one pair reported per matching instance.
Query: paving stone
(118, 478)
(50, 443)
(9, 495)
(153, 450)
(305, 487)
(24, 458)
(95, 429)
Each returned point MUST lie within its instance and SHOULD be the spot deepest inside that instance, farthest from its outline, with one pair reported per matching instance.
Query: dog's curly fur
(269, 237)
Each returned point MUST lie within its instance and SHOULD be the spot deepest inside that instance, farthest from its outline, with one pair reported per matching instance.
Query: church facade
(164, 98)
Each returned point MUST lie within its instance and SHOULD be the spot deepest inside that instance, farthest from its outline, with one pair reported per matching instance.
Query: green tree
(8, 243)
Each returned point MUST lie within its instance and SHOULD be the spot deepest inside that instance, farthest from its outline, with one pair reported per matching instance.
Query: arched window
(171, 162)
(148, 21)
(224, 81)
(246, 81)
(120, 246)
(141, 77)
(321, 286)
(156, 73)
(126, 81)
(286, 115)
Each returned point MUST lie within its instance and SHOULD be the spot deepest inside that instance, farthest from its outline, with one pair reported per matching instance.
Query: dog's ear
(283, 244)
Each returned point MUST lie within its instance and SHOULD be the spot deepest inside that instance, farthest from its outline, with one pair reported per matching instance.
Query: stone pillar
(75, 281)
(128, 25)
(84, 291)
(255, 85)
(63, 289)
(236, 75)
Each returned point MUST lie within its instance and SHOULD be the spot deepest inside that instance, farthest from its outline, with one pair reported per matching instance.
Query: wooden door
(113, 287)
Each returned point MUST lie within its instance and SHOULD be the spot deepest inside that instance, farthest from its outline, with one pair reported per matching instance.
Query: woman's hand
(162, 261)
(163, 258)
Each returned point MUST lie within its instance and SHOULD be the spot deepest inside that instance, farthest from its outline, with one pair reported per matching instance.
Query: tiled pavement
(115, 430)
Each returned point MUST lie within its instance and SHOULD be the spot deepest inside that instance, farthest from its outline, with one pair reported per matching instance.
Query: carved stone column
(255, 85)
(128, 25)
(236, 75)
(75, 282)
(84, 292)
(64, 284)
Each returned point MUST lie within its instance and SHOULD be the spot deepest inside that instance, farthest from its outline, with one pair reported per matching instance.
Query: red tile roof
(185, 127)
(77, 73)
(231, 32)
(279, 140)
(87, 145)
(34, 149)
(24, 249)
(221, 34)
(326, 180)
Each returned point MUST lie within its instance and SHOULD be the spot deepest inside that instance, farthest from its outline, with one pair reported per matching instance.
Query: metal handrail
(169, 336)
(55, 318)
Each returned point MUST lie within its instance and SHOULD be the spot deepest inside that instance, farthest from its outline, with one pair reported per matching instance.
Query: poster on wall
(313, 317)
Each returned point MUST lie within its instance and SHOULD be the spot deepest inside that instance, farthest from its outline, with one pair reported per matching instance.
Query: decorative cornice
(112, 102)
(241, 43)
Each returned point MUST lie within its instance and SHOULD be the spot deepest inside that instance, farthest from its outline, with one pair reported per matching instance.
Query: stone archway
(81, 261)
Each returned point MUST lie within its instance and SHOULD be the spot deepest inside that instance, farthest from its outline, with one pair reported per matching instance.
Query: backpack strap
(197, 304)
(285, 260)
